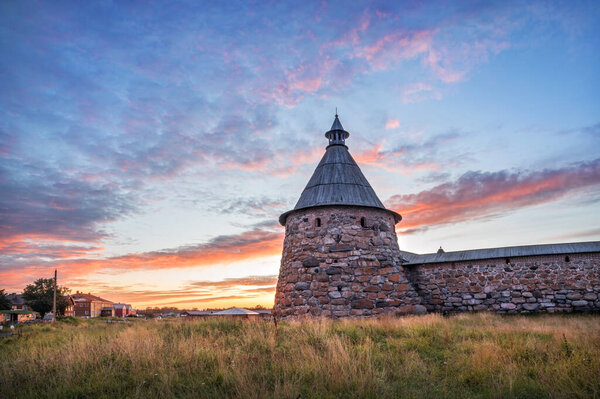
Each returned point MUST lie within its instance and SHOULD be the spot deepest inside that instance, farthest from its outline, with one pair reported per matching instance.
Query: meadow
(462, 356)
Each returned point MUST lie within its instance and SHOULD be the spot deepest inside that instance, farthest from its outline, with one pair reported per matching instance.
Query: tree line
(39, 296)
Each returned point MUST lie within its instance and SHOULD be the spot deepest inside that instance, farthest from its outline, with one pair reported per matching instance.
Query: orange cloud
(194, 293)
(226, 292)
(370, 156)
(282, 164)
(479, 195)
(252, 244)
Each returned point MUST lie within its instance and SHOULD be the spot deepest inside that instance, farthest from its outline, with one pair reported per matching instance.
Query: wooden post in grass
(54, 302)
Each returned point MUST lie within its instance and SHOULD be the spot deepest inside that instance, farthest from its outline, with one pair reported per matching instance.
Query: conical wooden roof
(337, 180)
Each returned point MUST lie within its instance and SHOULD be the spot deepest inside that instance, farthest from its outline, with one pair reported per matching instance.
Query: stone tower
(340, 253)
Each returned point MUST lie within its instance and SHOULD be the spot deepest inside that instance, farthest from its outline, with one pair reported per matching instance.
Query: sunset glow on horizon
(147, 149)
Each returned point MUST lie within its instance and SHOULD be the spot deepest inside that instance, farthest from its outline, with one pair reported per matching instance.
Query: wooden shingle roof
(337, 180)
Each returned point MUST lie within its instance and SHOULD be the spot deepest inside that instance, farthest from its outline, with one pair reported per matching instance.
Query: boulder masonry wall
(550, 283)
(341, 261)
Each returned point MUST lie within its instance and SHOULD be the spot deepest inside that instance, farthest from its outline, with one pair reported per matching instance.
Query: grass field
(469, 355)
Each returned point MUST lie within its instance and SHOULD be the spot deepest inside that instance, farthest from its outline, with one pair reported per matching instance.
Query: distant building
(264, 313)
(238, 313)
(17, 302)
(88, 305)
(17, 316)
(123, 310)
(70, 309)
(107, 311)
(48, 317)
(196, 314)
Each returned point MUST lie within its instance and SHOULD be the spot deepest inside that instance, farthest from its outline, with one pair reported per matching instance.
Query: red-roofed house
(88, 305)
(123, 309)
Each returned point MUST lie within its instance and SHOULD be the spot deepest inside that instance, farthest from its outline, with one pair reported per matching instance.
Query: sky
(147, 148)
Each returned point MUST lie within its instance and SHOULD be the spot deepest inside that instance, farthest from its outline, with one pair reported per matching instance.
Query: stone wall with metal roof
(504, 252)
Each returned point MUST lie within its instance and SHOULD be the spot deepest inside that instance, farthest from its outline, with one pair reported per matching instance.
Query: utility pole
(54, 303)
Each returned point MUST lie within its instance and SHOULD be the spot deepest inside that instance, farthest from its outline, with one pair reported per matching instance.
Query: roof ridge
(505, 252)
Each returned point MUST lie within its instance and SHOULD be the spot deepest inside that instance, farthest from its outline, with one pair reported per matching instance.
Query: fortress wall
(517, 285)
(342, 269)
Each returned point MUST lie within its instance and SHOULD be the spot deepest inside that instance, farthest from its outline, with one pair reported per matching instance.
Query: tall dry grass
(469, 355)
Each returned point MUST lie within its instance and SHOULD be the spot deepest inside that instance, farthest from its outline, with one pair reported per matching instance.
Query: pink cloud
(393, 160)
(392, 124)
(388, 51)
(419, 91)
(448, 52)
(305, 78)
(479, 195)
(434, 61)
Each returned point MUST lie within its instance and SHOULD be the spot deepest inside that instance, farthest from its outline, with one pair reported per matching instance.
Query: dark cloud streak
(44, 204)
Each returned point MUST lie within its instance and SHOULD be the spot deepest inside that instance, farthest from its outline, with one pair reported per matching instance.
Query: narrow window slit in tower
(507, 261)
(363, 222)
(567, 259)
(318, 222)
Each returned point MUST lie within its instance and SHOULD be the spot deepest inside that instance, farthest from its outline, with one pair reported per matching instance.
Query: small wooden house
(17, 302)
(123, 309)
(196, 314)
(238, 313)
(107, 311)
(17, 316)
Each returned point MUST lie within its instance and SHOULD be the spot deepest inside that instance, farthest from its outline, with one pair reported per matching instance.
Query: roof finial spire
(336, 114)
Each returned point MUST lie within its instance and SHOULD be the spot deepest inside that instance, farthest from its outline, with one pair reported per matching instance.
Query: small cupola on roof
(338, 180)
(337, 135)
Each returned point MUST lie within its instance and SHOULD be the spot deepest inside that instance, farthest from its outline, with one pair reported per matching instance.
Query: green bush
(68, 320)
